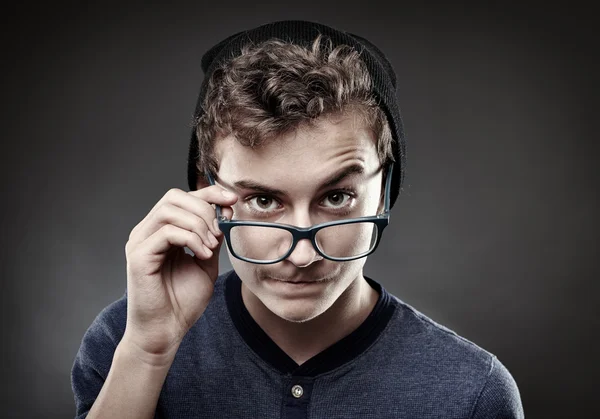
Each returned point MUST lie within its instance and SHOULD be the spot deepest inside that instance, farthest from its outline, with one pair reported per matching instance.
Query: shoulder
(108, 328)
(499, 397)
(94, 357)
(413, 329)
(439, 355)
(110, 322)
(104, 334)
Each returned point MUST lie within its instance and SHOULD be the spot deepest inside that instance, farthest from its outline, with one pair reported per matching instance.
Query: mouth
(297, 279)
(294, 281)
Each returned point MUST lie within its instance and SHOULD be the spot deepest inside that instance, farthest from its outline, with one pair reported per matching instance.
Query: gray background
(495, 236)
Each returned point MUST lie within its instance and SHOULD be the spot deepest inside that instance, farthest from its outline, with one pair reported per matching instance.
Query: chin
(296, 311)
(301, 303)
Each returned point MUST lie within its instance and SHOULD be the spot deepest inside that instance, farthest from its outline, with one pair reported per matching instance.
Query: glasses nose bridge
(300, 233)
(303, 233)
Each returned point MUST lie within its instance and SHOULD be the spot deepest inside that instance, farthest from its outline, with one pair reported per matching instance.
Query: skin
(314, 302)
(169, 289)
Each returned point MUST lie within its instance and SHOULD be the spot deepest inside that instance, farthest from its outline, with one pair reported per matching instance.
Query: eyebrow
(355, 169)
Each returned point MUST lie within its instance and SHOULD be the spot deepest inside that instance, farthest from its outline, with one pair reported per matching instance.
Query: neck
(302, 341)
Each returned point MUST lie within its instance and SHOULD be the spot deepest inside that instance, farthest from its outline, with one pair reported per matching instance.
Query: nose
(304, 254)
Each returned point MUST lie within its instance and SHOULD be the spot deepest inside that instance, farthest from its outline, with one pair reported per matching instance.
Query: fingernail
(216, 226)
(207, 251)
(212, 239)
(227, 194)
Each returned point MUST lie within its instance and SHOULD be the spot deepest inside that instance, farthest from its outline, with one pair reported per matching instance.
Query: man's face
(321, 173)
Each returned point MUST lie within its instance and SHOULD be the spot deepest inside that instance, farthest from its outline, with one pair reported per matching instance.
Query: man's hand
(168, 289)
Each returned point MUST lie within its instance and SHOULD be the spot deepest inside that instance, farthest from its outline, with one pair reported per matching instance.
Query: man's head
(298, 131)
(275, 88)
(382, 90)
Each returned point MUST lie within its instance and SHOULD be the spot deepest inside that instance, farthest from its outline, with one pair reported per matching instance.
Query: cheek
(347, 239)
(244, 270)
(352, 268)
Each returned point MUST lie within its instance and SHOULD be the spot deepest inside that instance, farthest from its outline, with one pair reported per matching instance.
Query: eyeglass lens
(272, 243)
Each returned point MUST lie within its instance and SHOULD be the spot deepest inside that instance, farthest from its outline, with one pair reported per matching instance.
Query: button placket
(297, 397)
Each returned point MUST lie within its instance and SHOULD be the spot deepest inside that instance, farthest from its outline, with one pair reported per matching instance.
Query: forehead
(310, 152)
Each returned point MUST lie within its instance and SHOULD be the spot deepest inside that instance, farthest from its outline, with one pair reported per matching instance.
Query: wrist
(130, 350)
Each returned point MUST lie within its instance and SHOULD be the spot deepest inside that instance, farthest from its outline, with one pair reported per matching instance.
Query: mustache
(297, 276)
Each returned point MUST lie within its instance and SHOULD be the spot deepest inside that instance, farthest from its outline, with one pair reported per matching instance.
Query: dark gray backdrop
(495, 236)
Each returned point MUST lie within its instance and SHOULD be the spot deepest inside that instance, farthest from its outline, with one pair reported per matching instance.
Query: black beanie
(304, 33)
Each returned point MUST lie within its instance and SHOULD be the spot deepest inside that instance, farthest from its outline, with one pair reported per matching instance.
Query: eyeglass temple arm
(388, 187)
(211, 180)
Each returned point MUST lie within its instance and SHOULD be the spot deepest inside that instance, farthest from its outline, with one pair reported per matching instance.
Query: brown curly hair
(275, 87)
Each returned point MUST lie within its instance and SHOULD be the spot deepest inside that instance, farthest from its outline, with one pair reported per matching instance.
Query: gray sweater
(397, 364)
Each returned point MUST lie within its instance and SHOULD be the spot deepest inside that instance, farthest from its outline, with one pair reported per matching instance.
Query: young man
(295, 160)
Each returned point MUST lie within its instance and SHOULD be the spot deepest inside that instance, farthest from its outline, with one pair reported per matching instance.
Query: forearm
(133, 385)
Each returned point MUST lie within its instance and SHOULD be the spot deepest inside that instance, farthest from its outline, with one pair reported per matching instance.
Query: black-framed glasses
(342, 240)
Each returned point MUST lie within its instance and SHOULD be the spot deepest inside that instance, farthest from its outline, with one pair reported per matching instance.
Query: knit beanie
(304, 33)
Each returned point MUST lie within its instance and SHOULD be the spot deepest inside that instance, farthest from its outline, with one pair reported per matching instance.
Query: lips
(297, 281)
(296, 277)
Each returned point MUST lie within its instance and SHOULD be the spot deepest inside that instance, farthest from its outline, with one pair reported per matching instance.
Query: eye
(336, 200)
(263, 203)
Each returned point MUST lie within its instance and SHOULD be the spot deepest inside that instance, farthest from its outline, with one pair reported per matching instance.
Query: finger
(211, 266)
(212, 195)
(169, 236)
(227, 212)
(215, 194)
(174, 215)
(188, 201)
